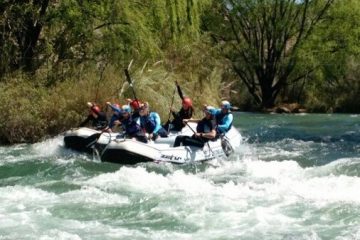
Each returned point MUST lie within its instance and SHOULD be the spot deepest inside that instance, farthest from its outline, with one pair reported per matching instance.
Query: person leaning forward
(116, 117)
(96, 117)
(131, 126)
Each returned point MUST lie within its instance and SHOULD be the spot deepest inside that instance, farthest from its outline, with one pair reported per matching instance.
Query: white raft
(81, 139)
(129, 151)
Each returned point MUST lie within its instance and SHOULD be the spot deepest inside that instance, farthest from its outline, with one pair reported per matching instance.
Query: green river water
(294, 177)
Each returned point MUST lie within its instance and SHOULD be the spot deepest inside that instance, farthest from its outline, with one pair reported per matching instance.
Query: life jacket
(130, 126)
(219, 119)
(205, 126)
(100, 122)
(148, 123)
(177, 122)
(114, 117)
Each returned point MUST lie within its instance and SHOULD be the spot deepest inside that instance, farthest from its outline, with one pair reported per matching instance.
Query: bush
(31, 110)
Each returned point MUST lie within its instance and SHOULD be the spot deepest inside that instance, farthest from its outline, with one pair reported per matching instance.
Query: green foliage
(74, 32)
(332, 55)
(75, 51)
(38, 111)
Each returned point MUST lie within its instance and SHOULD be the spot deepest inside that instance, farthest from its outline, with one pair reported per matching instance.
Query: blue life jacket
(224, 121)
(130, 126)
(114, 117)
(151, 122)
(147, 123)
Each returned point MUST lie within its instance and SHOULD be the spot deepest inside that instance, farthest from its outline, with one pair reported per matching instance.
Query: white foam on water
(24, 194)
(342, 166)
(61, 235)
(243, 198)
(91, 195)
(257, 205)
(253, 206)
(49, 147)
(13, 154)
(288, 178)
(20, 204)
(25, 213)
(137, 179)
(27, 152)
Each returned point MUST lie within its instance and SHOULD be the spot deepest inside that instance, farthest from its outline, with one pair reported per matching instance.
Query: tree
(334, 51)
(21, 26)
(262, 38)
(64, 34)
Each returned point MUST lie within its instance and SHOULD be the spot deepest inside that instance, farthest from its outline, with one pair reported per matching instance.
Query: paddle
(172, 102)
(200, 138)
(128, 78)
(93, 139)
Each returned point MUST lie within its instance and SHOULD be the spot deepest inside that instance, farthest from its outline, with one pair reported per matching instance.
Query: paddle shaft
(172, 102)
(200, 138)
(128, 78)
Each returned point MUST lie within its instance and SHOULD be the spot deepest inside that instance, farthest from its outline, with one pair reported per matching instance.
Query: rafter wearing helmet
(96, 117)
(186, 112)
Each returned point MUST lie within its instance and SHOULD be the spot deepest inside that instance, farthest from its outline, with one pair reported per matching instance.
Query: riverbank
(32, 111)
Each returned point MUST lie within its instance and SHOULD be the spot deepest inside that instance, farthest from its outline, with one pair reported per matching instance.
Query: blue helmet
(225, 105)
(211, 110)
(126, 108)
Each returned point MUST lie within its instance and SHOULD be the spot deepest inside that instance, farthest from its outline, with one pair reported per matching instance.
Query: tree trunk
(268, 95)
(30, 39)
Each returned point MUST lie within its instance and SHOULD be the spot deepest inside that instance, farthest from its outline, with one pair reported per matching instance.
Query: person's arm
(179, 90)
(175, 114)
(189, 113)
(112, 121)
(226, 123)
(209, 135)
(157, 120)
(191, 120)
(112, 107)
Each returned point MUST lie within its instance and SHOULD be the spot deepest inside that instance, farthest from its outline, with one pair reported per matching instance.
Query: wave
(280, 199)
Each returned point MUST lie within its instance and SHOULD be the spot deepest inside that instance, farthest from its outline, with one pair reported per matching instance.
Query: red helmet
(95, 109)
(187, 101)
(135, 104)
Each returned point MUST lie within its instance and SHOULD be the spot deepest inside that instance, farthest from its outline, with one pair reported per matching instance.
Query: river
(294, 177)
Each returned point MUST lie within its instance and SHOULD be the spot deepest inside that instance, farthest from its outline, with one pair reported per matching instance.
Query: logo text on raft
(217, 152)
(171, 157)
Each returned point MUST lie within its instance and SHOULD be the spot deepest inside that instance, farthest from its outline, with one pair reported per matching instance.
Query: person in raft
(135, 106)
(224, 118)
(96, 117)
(131, 126)
(205, 130)
(186, 112)
(116, 117)
(151, 123)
